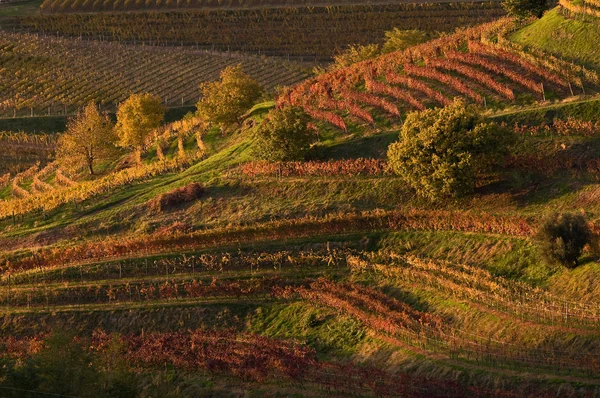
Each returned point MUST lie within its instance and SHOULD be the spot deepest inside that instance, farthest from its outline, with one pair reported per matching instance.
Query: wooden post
(543, 92)
(571, 89)
(8, 293)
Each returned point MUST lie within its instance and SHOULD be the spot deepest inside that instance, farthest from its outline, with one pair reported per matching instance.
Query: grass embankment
(571, 39)
(335, 334)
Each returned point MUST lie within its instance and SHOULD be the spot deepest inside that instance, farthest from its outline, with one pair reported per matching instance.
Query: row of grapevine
(448, 80)
(472, 74)
(395, 78)
(140, 291)
(576, 9)
(328, 255)
(350, 167)
(18, 179)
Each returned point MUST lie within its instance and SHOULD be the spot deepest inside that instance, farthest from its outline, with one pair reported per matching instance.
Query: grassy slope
(573, 40)
(22, 8)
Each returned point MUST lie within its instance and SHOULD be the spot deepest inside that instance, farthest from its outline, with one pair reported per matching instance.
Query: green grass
(20, 9)
(571, 39)
(329, 333)
(585, 109)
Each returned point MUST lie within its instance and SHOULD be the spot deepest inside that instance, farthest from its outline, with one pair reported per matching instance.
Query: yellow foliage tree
(225, 101)
(137, 117)
(89, 138)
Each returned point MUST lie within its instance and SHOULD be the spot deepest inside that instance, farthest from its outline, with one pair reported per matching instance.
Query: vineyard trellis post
(543, 92)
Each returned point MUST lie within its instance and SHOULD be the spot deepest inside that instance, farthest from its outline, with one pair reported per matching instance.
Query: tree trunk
(91, 167)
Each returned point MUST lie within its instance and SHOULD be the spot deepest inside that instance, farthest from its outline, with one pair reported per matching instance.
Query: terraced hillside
(566, 34)
(58, 76)
(203, 271)
(469, 64)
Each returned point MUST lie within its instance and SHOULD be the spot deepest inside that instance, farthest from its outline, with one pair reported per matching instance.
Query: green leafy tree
(399, 40)
(226, 100)
(89, 138)
(562, 237)
(526, 8)
(354, 54)
(137, 117)
(284, 135)
(440, 151)
(117, 378)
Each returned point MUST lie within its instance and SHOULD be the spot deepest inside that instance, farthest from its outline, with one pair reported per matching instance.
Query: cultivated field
(187, 264)
(58, 76)
(309, 32)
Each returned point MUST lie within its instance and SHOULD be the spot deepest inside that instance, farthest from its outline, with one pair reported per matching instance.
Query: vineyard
(174, 146)
(492, 75)
(186, 265)
(589, 8)
(59, 76)
(23, 151)
(51, 6)
(358, 286)
(302, 32)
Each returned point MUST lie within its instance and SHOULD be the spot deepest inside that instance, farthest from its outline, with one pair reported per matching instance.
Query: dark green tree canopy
(562, 237)
(440, 151)
(526, 8)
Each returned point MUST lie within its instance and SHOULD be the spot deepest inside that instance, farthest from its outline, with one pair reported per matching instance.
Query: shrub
(526, 8)
(176, 197)
(284, 135)
(562, 237)
(440, 151)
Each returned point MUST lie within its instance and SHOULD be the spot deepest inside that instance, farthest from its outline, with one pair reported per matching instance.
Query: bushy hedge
(176, 197)
(562, 237)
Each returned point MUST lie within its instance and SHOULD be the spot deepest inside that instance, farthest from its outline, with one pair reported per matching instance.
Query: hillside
(204, 271)
(493, 73)
(60, 75)
(313, 33)
(566, 37)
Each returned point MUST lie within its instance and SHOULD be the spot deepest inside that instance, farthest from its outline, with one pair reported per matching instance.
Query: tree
(526, 8)
(440, 151)
(399, 40)
(562, 237)
(354, 54)
(284, 135)
(137, 117)
(225, 101)
(89, 138)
